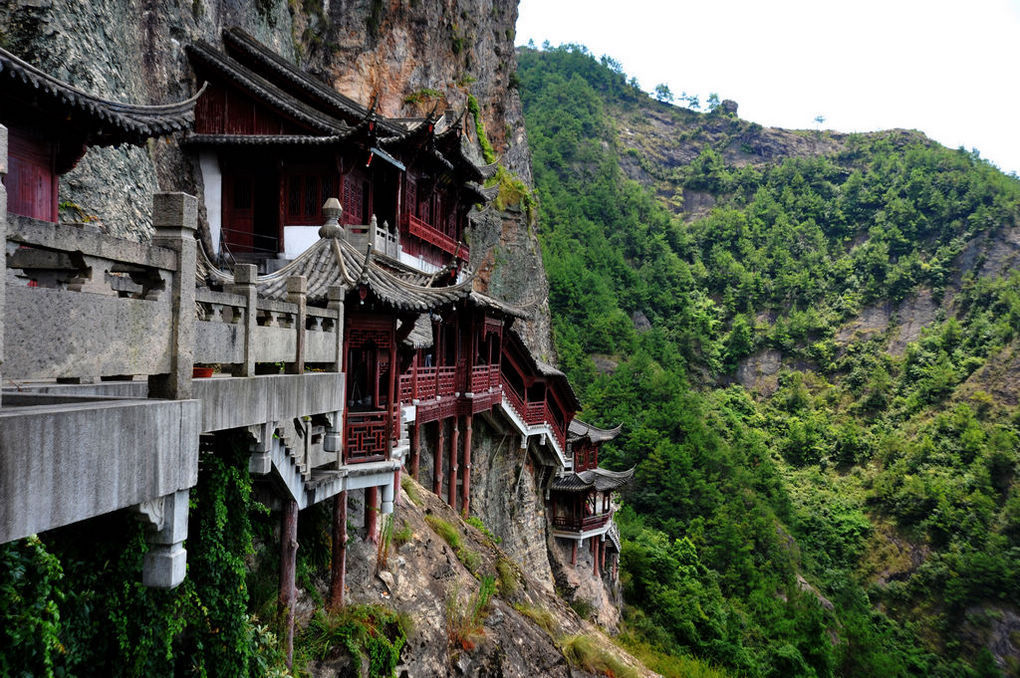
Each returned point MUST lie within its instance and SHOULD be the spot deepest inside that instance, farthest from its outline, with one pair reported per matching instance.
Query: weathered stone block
(164, 567)
(3, 152)
(174, 210)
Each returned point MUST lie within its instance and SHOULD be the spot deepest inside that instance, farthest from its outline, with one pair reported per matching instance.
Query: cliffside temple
(335, 322)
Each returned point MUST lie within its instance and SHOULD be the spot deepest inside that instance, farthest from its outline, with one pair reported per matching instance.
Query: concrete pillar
(3, 240)
(466, 487)
(175, 218)
(437, 466)
(371, 514)
(297, 293)
(386, 507)
(338, 566)
(288, 565)
(165, 564)
(452, 490)
(415, 452)
(244, 285)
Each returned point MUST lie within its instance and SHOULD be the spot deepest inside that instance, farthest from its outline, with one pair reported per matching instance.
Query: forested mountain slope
(812, 342)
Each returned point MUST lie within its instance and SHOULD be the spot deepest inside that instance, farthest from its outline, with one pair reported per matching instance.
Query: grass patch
(584, 653)
(583, 607)
(464, 623)
(411, 489)
(372, 632)
(668, 665)
(471, 560)
(403, 535)
(506, 577)
(541, 616)
(483, 140)
(476, 522)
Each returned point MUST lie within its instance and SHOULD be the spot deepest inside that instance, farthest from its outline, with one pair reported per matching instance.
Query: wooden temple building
(582, 502)
(339, 254)
(274, 144)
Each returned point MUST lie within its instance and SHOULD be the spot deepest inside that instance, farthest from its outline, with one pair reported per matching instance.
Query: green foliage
(371, 632)
(540, 616)
(410, 487)
(29, 614)
(476, 522)
(464, 622)
(483, 140)
(738, 502)
(469, 557)
(74, 600)
(586, 654)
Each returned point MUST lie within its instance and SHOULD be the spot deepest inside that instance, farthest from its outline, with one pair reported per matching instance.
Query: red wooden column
(573, 552)
(371, 514)
(602, 546)
(595, 556)
(288, 563)
(452, 490)
(396, 486)
(338, 567)
(466, 488)
(437, 458)
(415, 438)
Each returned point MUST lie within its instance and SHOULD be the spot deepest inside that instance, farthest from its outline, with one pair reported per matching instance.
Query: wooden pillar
(371, 514)
(595, 556)
(415, 452)
(466, 488)
(602, 546)
(338, 566)
(437, 466)
(573, 552)
(454, 437)
(288, 563)
(396, 486)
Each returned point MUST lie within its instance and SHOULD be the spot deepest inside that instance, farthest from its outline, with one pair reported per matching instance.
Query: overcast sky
(947, 68)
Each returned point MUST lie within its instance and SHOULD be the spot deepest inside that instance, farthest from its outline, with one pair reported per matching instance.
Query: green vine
(487, 151)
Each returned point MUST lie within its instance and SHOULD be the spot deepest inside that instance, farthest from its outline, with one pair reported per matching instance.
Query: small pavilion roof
(598, 479)
(102, 122)
(578, 430)
(287, 140)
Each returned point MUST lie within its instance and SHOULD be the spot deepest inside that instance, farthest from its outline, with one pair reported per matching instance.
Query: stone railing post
(244, 285)
(297, 293)
(175, 218)
(335, 296)
(3, 241)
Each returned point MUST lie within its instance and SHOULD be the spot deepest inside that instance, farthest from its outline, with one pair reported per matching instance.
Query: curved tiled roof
(265, 90)
(579, 429)
(263, 139)
(286, 75)
(332, 261)
(103, 122)
(598, 479)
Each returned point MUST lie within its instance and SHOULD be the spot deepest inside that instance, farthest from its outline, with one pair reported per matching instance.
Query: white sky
(948, 68)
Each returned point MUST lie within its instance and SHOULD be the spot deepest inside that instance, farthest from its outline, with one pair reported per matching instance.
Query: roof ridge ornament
(332, 211)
